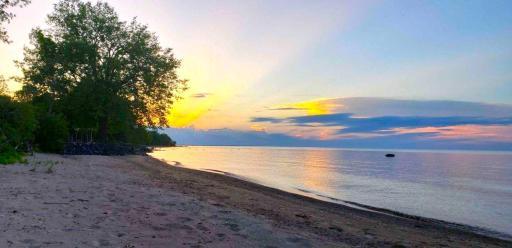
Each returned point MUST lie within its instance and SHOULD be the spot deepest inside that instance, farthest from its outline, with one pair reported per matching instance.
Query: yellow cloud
(313, 107)
(257, 128)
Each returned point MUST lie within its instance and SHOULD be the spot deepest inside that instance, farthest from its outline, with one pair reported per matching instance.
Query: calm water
(462, 187)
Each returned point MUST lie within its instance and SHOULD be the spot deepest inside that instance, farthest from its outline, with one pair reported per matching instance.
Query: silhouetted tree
(6, 16)
(160, 139)
(100, 71)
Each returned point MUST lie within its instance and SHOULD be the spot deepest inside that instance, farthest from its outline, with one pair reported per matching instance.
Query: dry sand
(137, 201)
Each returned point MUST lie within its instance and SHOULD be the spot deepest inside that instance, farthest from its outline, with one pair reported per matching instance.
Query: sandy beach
(138, 201)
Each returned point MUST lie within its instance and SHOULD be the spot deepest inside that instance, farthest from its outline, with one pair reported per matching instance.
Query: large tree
(105, 71)
(6, 15)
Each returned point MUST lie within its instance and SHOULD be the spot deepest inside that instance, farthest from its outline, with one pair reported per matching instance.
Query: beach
(139, 201)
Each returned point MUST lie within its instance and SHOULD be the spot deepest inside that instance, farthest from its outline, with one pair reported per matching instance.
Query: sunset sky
(369, 74)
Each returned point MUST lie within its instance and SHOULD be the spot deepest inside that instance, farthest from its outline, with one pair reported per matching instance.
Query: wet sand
(137, 201)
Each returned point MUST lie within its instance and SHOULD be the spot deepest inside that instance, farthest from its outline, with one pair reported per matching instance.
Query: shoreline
(140, 201)
(391, 149)
(358, 206)
(361, 208)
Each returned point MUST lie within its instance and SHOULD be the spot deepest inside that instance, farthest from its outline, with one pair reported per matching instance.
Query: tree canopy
(6, 16)
(100, 72)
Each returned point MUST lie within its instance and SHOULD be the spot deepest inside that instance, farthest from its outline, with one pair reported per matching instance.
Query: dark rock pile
(105, 149)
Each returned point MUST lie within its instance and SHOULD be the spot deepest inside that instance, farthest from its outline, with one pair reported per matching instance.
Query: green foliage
(143, 136)
(52, 133)
(6, 16)
(11, 157)
(139, 136)
(88, 71)
(160, 139)
(99, 71)
(17, 125)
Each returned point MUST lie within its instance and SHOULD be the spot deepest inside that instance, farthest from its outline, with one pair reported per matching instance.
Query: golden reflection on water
(316, 173)
(469, 188)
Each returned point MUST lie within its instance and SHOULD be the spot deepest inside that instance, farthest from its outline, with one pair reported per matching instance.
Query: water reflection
(316, 174)
(469, 188)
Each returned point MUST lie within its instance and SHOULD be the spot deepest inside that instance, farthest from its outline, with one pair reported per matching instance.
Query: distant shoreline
(359, 149)
(138, 200)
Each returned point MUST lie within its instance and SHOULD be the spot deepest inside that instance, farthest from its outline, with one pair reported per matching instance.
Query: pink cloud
(476, 132)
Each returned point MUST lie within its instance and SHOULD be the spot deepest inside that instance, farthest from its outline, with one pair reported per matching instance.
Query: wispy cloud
(351, 124)
(201, 95)
(375, 106)
(312, 107)
(469, 132)
(267, 119)
(427, 119)
(286, 108)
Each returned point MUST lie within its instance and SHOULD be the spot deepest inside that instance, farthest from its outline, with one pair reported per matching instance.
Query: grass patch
(12, 157)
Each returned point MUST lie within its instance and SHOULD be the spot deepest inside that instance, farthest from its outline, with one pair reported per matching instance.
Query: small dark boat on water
(390, 155)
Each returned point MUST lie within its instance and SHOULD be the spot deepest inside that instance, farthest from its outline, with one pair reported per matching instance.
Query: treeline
(17, 127)
(26, 126)
(90, 71)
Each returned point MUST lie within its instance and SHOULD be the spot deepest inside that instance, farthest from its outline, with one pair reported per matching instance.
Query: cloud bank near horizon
(348, 123)
(370, 123)
(230, 137)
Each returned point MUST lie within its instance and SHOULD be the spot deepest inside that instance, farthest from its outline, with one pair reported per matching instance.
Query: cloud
(312, 107)
(371, 123)
(352, 124)
(469, 132)
(201, 95)
(230, 137)
(266, 119)
(286, 108)
(383, 115)
(375, 106)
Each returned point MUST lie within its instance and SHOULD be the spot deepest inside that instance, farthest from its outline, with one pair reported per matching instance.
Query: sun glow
(313, 107)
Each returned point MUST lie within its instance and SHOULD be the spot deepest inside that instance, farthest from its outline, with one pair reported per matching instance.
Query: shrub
(52, 133)
(160, 139)
(11, 157)
(138, 135)
(17, 125)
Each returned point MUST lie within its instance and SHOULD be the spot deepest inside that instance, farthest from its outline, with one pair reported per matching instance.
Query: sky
(364, 74)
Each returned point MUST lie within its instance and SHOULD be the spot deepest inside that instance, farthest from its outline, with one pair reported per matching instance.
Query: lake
(472, 188)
